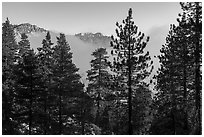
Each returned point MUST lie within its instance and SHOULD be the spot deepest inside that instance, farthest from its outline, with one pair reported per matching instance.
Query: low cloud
(157, 39)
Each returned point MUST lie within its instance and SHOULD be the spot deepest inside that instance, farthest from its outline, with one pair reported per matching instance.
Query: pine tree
(24, 47)
(169, 78)
(9, 45)
(98, 77)
(131, 60)
(141, 101)
(85, 117)
(28, 85)
(118, 107)
(45, 63)
(65, 77)
(186, 67)
(192, 12)
(9, 49)
(178, 78)
(141, 108)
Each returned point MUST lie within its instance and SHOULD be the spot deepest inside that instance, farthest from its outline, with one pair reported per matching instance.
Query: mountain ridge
(28, 28)
(97, 39)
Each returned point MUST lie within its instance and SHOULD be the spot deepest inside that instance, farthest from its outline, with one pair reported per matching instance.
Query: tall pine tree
(28, 86)
(170, 84)
(130, 58)
(45, 63)
(192, 12)
(179, 78)
(66, 80)
(9, 50)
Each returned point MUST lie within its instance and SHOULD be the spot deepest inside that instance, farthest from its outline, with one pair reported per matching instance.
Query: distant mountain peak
(28, 28)
(99, 34)
(95, 38)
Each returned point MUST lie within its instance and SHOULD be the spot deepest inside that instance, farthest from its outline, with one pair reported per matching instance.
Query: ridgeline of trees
(42, 92)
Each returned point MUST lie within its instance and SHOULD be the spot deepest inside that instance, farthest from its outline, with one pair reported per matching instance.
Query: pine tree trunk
(129, 103)
(197, 72)
(98, 98)
(60, 111)
(45, 113)
(98, 109)
(48, 108)
(130, 130)
(30, 117)
(174, 122)
(30, 105)
(83, 111)
(83, 125)
(185, 89)
(117, 116)
(83, 122)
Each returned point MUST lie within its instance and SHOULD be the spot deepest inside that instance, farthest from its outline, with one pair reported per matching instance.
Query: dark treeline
(42, 92)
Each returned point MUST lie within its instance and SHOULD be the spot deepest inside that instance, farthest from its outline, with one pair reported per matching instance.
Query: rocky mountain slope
(28, 28)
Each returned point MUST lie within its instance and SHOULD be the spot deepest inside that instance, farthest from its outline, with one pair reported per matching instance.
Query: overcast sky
(72, 18)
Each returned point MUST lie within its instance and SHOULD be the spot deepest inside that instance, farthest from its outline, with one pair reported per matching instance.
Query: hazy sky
(72, 18)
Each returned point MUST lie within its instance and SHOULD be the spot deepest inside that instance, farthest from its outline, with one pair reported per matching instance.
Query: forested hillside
(43, 93)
